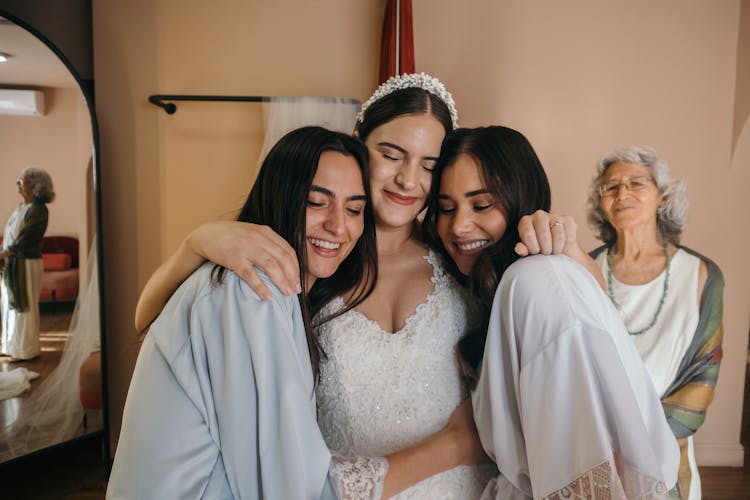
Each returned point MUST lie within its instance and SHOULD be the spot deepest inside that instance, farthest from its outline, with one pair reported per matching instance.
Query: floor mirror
(47, 121)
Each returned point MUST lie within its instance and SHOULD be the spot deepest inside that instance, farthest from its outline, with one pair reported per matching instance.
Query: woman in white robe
(562, 402)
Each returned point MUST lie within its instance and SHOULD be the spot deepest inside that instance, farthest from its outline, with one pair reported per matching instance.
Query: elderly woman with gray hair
(21, 265)
(670, 297)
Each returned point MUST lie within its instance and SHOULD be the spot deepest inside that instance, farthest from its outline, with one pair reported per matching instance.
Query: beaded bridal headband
(413, 80)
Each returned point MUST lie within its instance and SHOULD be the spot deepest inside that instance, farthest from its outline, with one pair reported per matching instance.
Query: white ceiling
(32, 63)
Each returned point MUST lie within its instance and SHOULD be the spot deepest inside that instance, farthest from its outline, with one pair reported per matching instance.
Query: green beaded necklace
(610, 292)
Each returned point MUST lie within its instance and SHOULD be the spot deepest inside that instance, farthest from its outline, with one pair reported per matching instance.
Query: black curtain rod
(161, 99)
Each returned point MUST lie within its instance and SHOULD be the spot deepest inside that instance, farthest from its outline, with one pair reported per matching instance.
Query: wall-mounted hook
(157, 100)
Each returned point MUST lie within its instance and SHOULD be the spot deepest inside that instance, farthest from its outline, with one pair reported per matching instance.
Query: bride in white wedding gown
(381, 391)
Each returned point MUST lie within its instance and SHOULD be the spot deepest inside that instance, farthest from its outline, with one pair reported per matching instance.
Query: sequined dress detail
(380, 392)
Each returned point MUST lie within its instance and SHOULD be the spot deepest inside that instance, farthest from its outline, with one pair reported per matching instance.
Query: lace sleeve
(358, 478)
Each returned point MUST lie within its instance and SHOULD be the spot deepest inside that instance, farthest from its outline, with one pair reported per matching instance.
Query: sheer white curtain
(283, 114)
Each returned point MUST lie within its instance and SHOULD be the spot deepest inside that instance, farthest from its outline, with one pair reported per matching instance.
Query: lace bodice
(380, 392)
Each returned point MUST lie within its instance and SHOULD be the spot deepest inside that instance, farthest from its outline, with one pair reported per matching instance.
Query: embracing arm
(548, 233)
(162, 284)
(235, 245)
(456, 444)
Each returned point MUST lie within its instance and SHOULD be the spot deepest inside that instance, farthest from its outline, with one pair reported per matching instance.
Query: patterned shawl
(686, 399)
(27, 245)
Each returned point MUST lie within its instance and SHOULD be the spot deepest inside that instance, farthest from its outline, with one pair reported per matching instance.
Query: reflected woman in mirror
(669, 296)
(21, 264)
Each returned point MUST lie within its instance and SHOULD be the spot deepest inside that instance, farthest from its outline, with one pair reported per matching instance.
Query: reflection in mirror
(55, 395)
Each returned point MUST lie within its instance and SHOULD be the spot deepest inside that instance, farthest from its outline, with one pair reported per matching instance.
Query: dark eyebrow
(322, 190)
(391, 145)
(331, 194)
(477, 192)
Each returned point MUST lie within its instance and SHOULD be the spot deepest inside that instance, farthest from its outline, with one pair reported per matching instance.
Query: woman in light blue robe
(221, 404)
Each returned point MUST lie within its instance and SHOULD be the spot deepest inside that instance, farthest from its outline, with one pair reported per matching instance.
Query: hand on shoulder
(242, 247)
(547, 233)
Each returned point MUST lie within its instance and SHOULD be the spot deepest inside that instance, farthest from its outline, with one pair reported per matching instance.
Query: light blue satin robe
(221, 403)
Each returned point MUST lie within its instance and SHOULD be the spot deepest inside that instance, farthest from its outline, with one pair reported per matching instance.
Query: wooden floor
(17, 435)
(71, 472)
(54, 332)
(730, 482)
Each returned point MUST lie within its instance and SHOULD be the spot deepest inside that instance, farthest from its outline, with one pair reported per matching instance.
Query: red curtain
(397, 42)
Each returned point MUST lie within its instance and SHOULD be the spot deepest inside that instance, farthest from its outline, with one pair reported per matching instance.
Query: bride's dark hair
(513, 174)
(278, 199)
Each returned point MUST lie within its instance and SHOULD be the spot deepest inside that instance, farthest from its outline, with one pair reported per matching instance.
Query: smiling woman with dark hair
(562, 401)
(221, 404)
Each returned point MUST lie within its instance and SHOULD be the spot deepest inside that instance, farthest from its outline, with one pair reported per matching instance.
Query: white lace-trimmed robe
(564, 403)
(221, 404)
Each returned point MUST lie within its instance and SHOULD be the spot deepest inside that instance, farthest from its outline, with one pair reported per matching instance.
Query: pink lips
(622, 208)
(401, 200)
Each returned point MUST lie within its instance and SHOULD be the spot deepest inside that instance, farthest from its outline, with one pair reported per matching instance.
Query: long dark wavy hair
(513, 174)
(278, 199)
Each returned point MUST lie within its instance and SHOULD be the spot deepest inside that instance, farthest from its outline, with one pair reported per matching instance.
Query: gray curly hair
(41, 183)
(671, 217)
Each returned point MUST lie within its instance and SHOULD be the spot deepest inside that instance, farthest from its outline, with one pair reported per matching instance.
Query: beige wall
(582, 77)
(578, 79)
(60, 143)
(163, 175)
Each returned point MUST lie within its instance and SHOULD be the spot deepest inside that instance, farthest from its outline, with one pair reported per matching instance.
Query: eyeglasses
(20, 181)
(611, 188)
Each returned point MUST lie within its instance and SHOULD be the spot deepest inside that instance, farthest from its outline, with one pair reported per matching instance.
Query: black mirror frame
(87, 88)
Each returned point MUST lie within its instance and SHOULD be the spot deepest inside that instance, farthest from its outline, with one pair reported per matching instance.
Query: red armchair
(60, 276)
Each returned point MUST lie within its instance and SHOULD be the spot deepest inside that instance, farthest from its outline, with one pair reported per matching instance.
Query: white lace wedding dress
(380, 392)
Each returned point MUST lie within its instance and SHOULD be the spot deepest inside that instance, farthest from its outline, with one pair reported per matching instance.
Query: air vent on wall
(21, 102)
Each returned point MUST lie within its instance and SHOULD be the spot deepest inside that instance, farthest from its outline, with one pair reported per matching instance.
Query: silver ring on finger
(557, 222)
